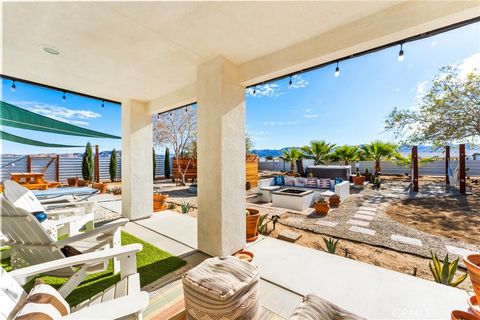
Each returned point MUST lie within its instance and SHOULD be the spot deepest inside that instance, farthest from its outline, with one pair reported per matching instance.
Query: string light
(401, 54)
(337, 71)
(290, 82)
(103, 103)
(254, 89)
(64, 97)
(13, 87)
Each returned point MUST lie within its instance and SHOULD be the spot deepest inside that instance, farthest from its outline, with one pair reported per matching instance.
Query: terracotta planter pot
(159, 202)
(244, 255)
(321, 207)
(462, 315)
(334, 201)
(472, 261)
(358, 180)
(72, 182)
(82, 183)
(100, 186)
(252, 224)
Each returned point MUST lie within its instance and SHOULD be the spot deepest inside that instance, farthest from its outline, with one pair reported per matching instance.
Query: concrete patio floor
(289, 271)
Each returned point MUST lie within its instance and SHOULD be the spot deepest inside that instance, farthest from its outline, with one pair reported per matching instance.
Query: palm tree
(346, 153)
(291, 155)
(318, 150)
(407, 161)
(378, 151)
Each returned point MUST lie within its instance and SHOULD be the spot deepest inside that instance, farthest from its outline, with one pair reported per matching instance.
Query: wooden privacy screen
(251, 168)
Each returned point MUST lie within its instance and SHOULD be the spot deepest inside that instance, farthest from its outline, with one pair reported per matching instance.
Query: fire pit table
(292, 198)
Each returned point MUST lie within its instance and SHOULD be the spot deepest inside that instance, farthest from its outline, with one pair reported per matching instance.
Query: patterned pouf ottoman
(316, 308)
(222, 288)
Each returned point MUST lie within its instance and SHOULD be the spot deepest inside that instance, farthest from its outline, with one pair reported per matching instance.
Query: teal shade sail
(13, 116)
(13, 138)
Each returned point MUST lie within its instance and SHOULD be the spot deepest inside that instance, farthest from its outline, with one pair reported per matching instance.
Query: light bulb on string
(401, 54)
(337, 71)
(64, 97)
(13, 87)
(290, 82)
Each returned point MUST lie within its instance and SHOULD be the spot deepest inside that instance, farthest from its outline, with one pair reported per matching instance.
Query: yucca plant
(444, 272)
(186, 207)
(263, 224)
(331, 244)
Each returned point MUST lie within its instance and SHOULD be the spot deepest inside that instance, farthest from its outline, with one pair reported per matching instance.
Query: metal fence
(69, 167)
(436, 168)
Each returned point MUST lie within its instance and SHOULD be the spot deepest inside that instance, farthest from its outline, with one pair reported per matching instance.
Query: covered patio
(153, 57)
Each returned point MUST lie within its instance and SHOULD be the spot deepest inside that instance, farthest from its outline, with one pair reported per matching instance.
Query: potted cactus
(321, 206)
(358, 179)
(334, 200)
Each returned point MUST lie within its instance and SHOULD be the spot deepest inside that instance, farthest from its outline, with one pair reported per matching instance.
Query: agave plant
(444, 272)
(186, 207)
(331, 244)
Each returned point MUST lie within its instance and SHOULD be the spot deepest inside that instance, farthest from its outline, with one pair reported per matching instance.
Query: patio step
(289, 236)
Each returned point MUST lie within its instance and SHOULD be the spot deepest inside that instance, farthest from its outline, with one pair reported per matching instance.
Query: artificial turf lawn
(152, 264)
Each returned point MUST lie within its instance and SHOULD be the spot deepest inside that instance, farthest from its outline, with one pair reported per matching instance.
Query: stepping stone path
(370, 232)
(332, 224)
(358, 222)
(407, 240)
(363, 216)
(458, 251)
(289, 236)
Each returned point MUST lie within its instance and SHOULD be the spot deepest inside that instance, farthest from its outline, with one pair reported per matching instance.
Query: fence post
(463, 172)
(447, 162)
(29, 163)
(96, 166)
(57, 168)
(415, 168)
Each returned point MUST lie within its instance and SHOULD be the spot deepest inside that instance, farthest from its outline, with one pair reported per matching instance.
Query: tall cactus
(167, 163)
(87, 163)
(112, 167)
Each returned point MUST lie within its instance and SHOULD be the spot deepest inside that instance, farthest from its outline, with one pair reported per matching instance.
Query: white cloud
(410, 65)
(308, 110)
(311, 116)
(67, 115)
(433, 44)
(421, 90)
(397, 89)
(469, 64)
(265, 90)
(280, 123)
(298, 82)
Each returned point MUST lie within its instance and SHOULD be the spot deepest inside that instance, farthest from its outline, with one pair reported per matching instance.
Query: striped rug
(167, 303)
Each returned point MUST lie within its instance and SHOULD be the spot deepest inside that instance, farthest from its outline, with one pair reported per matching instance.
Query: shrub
(87, 163)
(112, 167)
(167, 163)
(186, 207)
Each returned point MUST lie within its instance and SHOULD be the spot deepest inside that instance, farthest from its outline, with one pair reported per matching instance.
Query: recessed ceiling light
(50, 50)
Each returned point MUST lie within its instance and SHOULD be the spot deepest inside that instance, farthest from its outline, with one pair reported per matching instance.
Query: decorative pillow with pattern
(300, 182)
(43, 303)
(289, 181)
(324, 183)
(311, 183)
(279, 181)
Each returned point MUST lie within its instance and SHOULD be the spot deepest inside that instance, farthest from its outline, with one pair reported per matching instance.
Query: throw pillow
(279, 181)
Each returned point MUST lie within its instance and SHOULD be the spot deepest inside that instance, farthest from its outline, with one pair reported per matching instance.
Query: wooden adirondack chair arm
(108, 228)
(113, 309)
(82, 259)
(54, 206)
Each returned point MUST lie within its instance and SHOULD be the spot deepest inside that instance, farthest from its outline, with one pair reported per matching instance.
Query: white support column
(221, 158)
(137, 171)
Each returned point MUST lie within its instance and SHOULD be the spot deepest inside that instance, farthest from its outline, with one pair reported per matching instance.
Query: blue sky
(350, 109)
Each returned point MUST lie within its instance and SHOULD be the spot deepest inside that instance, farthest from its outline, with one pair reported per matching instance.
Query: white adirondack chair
(124, 299)
(63, 218)
(31, 244)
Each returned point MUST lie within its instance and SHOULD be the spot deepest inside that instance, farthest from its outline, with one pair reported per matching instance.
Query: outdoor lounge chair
(71, 217)
(31, 244)
(123, 299)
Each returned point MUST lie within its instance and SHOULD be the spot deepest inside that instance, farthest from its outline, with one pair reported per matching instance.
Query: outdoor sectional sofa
(320, 187)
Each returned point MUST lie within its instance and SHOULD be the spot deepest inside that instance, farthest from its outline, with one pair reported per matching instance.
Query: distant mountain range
(423, 151)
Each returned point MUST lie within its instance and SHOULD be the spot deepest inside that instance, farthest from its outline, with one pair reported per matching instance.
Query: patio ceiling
(149, 50)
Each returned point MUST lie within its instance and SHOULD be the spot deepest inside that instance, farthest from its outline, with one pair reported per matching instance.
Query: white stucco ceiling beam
(179, 98)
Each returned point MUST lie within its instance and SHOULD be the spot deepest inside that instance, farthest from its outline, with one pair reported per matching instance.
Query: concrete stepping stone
(368, 208)
(406, 240)
(362, 216)
(331, 224)
(370, 232)
(358, 222)
(289, 236)
(458, 251)
(369, 213)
